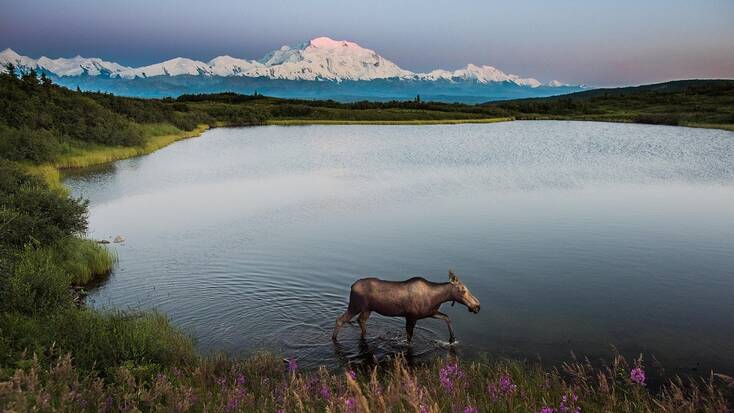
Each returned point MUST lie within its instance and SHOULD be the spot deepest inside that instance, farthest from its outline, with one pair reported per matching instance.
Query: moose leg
(344, 318)
(363, 316)
(444, 317)
(409, 326)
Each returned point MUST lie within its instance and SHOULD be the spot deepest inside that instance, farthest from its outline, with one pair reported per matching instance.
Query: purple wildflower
(240, 379)
(493, 392)
(638, 376)
(292, 365)
(547, 410)
(507, 387)
(471, 409)
(423, 408)
(351, 404)
(449, 375)
(353, 374)
(325, 392)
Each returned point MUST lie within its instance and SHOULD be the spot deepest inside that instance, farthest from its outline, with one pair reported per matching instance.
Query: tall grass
(83, 259)
(265, 383)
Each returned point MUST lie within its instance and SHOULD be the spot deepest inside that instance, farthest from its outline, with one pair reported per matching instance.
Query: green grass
(83, 259)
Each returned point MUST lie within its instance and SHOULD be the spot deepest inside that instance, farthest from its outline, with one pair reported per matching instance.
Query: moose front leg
(441, 316)
(409, 326)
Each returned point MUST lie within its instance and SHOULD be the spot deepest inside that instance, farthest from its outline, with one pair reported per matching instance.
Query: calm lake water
(575, 237)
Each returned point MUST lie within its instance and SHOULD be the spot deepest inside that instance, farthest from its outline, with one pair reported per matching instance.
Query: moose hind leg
(444, 317)
(409, 326)
(363, 316)
(344, 318)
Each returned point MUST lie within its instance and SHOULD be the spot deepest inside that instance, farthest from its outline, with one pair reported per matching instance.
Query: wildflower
(351, 404)
(292, 365)
(353, 374)
(471, 409)
(493, 392)
(449, 375)
(423, 408)
(507, 387)
(547, 410)
(638, 376)
(325, 392)
(240, 379)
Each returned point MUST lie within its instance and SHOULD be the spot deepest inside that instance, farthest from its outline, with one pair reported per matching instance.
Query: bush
(25, 144)
(37, 214)
(290, 111)
(37, 286)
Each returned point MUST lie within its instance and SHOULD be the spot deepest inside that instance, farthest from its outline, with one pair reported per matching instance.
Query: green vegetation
(58, 355)
(696, 103)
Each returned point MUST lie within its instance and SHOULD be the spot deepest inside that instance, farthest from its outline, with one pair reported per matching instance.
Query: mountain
(319, 68)
(75, 66)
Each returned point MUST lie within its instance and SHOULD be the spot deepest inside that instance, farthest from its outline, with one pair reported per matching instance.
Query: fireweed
(265, 383)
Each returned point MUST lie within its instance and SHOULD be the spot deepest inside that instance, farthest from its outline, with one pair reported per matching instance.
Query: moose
(414, 299)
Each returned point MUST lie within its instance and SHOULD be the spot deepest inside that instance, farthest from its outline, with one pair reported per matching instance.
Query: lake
(575, 236)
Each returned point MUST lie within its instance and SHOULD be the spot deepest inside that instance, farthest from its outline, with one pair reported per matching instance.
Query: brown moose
(414, 299)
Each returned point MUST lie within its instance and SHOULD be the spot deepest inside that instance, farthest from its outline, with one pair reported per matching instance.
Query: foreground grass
(265, 383)
(384, 122)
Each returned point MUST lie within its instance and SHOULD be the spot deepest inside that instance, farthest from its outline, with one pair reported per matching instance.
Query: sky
(589, 42)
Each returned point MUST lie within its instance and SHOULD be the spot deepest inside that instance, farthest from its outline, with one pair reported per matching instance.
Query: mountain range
(320, 68)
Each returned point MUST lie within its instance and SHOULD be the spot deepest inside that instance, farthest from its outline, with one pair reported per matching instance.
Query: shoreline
(297, 122)
(100, 155)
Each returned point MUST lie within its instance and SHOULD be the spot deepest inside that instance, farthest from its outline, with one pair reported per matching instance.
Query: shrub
(25, 144)
(37, 286)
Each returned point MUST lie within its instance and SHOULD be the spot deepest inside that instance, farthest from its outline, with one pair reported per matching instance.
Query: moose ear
(453, 278)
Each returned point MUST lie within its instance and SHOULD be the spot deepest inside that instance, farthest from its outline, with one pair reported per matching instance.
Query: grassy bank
(156, 137)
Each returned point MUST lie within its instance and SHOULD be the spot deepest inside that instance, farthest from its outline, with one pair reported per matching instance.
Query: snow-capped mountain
(232, 66)
(75, 66)
(481, 74)
(174, 67)
(319, 59)
(321, 68)
(326, 59)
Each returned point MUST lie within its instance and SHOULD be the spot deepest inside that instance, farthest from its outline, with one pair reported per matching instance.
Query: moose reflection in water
(414, 299)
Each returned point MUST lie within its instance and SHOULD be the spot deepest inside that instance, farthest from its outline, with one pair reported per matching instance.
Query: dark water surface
(574, 236)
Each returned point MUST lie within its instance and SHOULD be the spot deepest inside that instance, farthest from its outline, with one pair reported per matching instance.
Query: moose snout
(474, 309)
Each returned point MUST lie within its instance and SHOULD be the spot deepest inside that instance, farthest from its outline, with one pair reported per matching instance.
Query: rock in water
(118, 239)
(102, 241)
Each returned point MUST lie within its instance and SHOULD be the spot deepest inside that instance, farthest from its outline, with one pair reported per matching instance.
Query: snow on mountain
(557, 83)
(319, 59)
(174, 67)
(327, 59)
(78, 65)
(74, 66)
(231, 66)
(9, 56)
(481, 74)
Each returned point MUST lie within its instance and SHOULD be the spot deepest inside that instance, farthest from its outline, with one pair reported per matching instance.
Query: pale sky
(588, 42)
